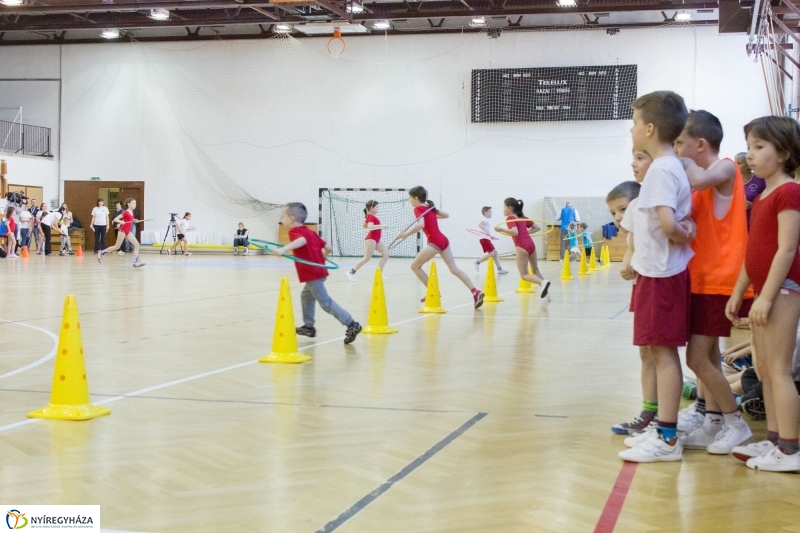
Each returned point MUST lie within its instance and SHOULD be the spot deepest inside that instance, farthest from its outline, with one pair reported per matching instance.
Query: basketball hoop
(336, 44)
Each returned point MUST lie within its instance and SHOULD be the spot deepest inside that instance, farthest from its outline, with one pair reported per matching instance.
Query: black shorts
(181, 236)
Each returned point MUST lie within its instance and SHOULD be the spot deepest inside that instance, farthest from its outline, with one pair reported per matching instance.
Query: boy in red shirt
(309, 246)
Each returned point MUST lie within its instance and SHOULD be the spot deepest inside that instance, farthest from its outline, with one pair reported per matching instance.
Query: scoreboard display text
(558, 93)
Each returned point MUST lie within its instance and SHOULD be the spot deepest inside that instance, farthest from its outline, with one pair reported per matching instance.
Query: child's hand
(690, 228)
(627, 272)
(278, 251)
(759, 313)
(732, 309)
(734, 355)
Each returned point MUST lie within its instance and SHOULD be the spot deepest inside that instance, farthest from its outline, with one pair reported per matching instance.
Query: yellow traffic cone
(566, 269)
(525, 285)
(606, 258)
(378, 321)
(583, 271)
(592, 261)
(284, 338)
(69, 397)
(490, 285)
(433, 301)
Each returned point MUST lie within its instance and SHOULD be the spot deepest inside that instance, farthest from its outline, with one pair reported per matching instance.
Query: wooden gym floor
(489, 421)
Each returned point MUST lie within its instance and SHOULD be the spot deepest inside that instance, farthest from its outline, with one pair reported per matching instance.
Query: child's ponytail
(369, 205)
(516, 206)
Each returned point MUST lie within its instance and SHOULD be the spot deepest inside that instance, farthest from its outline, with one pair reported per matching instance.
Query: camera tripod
(174, 229)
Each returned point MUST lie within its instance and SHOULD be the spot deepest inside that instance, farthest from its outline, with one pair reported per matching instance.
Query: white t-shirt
(665, 184)
(51, 218)
(183, 226)
(488, 227)
(24, 220)
(100, 216)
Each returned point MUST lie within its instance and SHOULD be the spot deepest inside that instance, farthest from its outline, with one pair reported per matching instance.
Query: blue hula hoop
(265, 245)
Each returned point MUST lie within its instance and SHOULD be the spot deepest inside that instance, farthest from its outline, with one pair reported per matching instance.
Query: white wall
(212, 127)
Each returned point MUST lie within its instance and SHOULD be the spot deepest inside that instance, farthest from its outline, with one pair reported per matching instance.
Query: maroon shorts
(529, 247)
(661, 311)
(708, 315)
(633, 297)
(487, 246)
(438, 242)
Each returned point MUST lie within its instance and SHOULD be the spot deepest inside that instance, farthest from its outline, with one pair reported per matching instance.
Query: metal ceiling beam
(264, 12)
(335, 9)
(122, 6)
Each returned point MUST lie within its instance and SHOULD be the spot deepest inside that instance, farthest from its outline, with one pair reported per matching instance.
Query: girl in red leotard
(523, 243)
(428, 222)
(372, 241)
(126, 221)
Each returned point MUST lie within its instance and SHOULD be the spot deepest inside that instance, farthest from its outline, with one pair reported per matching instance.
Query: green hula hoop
(265, 245)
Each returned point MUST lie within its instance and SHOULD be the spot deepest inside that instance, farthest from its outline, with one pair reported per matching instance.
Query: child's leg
(308, 304)
(384, 254)
(69, 242)
(533, 259)
(776, 344)
(63, 246)
(320, 294)
(449, 260)
(120, 240)
(425, 255)
(669, 383)
(523, 260)
(484, 258)
(700, 357)
(649, 378)
(496, 258)
(132, 239)
(369, 249)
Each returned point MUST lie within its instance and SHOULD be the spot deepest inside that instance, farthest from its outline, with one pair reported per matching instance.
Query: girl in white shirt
(100, 224)
(183, 226)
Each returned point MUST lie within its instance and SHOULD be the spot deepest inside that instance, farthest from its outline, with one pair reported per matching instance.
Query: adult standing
(100, 224)
(35, 220)
(48, 222)
(568, 215)
(753, 185)
(25, 223)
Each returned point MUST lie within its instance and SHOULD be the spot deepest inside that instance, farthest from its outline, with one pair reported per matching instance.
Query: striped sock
(700, 404)
(650, 407)
(788, 446)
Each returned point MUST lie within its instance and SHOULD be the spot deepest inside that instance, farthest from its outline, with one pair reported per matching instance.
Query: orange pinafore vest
(720, 245)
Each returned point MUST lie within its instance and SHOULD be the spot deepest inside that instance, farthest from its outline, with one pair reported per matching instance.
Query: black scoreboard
(557, 93)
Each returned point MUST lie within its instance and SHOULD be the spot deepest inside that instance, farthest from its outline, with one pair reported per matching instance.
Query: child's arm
(677, 232)
(326, 250)
(533, 229)
(735, 301)
(788, 234)
(512, 231)
(411, 231)
(701, 179)
(484, 227)
(294, 245)
(442, 214)
(627, 272)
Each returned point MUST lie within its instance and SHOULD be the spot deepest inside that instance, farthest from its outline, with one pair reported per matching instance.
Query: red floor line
(608, 519)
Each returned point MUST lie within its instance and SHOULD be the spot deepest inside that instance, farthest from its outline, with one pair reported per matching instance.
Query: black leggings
(47, 236)
(99, 237)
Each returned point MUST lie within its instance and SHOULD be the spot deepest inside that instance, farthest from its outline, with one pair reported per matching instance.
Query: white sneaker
(501, 271)
(638, 438)
(653, 450)
(235, 251)
(477, 266)
(689, 418)
(754, 449)
(246, 251)
(351, 275)
(775, 461)
(729, 437)
(700, 438)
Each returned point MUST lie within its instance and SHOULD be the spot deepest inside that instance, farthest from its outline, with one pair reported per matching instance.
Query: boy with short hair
(660, 258)
(309, 246)
(586, 239)
(718, 209)
(486, 227)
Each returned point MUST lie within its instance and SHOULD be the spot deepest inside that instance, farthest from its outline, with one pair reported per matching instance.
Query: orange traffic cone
(433, 301)
(490, 285)
(25, 253)
(69, 397)
(378, 321)
(284, 337)
(79, 251)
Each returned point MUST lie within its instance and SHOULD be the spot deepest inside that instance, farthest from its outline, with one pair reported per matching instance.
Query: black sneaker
(306, 331)
(352, 332)
(545, 288)
(755, 407)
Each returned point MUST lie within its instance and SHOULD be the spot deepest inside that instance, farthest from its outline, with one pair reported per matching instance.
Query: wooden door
(81, 197)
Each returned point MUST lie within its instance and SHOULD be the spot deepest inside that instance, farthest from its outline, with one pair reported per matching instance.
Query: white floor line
(214, 372)
(47, 357)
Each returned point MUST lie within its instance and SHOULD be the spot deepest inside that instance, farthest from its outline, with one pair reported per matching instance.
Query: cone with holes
(605, 257)
(525, 285)
(79, 252)
(566, 268)
(583, 270)
(378, 321)
(592, 261)
(25, 253)
(284, 338)
(433, 300)
(490, 285)
(69, 398)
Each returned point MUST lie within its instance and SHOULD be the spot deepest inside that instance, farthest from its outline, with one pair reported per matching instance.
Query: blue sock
(668, 431)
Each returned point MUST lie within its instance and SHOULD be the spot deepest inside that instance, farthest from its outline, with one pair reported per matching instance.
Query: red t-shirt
(763, 243)
(523, 238)
(375, 234)
(127, 222)
(312, 251)
(12, 225)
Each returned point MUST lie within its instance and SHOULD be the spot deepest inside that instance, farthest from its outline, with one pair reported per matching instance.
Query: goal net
(341, 218)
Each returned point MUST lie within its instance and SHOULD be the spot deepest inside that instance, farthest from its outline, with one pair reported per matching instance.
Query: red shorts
(439, 242)
(633, 297)
(708, 315)
(661, 311)
(487, 246)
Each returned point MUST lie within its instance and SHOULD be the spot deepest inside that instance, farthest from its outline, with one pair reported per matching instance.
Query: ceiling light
(381, 25)
(283, 28)
(12, 3)
(110, 34)
(478, 22)
(159, 14)
(355, 8)
(567, 3)
(683, 17)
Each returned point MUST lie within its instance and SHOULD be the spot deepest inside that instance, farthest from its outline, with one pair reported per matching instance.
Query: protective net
(342, 215)
(246, 126)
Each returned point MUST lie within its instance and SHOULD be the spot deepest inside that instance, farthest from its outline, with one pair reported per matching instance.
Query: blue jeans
(25, 237)
(237, 241)
(314, 291)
